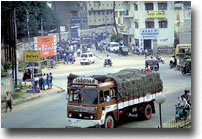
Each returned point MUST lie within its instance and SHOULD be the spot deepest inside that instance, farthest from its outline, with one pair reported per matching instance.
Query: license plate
(73, 120)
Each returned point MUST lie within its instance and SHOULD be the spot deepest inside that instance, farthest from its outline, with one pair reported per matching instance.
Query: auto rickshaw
(186, 67)
(153, 63)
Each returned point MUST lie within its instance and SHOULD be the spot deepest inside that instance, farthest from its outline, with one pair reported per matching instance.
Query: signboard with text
(149, 31)
(155, 14)
(32, 56)
(46, 45)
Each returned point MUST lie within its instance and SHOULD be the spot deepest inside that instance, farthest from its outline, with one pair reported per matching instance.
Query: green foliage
(18, 94)
(7, 65)
(37, 10)
(187, 57)
(115, 38)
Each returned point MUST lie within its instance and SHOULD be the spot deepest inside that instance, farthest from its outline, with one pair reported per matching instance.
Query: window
(94, 13)
(136, 24)
(103, 12)
(162, 6)
(98, 12)
(163, 24)
(135, 7)
(89, 13)
(136, 42)
(149, 6)
(107, 12)
(74, 13)
(149, 24)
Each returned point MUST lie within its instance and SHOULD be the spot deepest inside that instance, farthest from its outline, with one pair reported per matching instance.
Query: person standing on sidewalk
(48, 80)
(44, 81)
(9, 100)
(51, 79)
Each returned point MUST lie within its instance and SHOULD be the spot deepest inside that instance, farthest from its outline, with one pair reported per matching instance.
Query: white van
(113, 47)
(87, 58)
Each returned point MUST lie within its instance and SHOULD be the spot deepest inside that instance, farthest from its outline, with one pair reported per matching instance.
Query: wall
(8, 86)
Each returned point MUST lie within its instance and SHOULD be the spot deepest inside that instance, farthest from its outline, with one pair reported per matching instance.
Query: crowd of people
(45, 82)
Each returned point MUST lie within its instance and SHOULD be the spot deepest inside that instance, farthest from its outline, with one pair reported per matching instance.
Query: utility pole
(28, 35)
(41, 26)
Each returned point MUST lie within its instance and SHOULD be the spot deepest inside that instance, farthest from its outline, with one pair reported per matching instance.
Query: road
(51, 112)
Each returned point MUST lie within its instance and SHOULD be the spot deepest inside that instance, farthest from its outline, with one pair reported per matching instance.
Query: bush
(18, 94)
(7, 65)
(115, 38)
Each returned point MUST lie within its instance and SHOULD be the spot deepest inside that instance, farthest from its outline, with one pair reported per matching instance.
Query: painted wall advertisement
(46, 45)
(32, 56)
(155, 14)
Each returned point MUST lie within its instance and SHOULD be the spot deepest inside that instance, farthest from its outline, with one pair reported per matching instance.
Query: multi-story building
(71, 13)
(149, 24)
(100, 13)
(182, 22)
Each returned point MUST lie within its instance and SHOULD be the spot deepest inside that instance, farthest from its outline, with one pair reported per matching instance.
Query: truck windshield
(90, 96)
(75, 95)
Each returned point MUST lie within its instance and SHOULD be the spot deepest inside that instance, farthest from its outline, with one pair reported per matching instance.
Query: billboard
(46, 45)
(32, 56)
(155, 14)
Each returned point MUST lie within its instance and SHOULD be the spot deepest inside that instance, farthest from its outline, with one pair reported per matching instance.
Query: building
(71, 13)
(182, 22)
(149, 24)
(119, 11)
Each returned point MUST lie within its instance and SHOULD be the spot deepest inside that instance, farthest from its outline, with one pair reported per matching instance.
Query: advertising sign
(32, 56)
(62, 28)
(155, 14)
(46, 45)
(149, 31)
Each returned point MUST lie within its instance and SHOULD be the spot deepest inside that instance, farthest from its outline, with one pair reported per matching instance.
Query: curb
(20, 101)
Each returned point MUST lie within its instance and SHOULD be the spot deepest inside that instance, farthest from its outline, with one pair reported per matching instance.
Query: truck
(102, 100)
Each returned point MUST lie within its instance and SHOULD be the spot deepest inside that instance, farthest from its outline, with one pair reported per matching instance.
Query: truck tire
(147, 111)
(109, 122)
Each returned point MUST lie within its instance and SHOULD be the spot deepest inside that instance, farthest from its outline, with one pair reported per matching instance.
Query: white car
(113, 46)
(87, 58)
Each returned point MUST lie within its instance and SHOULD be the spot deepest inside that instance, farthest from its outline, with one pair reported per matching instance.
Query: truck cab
(89, 101)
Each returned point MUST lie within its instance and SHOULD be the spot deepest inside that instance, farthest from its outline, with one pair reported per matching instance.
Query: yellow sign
(32, 56)
(155, 14)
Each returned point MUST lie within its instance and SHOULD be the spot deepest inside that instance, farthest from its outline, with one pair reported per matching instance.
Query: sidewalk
(32, 96)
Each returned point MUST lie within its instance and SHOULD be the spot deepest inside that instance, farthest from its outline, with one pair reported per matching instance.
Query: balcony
(126, 31)
(128, 14)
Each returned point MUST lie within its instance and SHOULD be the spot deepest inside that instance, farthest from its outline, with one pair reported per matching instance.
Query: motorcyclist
(187, 96)
(173, 61)
(108, 59)
(182, 103)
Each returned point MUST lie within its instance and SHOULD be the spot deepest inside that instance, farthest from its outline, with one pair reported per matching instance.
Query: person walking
(9, 100)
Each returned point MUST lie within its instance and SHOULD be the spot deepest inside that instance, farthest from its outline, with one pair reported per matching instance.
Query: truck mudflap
(81, 123)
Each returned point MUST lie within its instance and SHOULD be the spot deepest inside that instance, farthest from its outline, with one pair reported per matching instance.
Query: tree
(37, 10)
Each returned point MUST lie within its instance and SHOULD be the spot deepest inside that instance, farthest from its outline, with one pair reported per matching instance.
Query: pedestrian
(48, 80)
(9, 100)
(51, 80)
(40, 82)
(145, 52)
(44, 81)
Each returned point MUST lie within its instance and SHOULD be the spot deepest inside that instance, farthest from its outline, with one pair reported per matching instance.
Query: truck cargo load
(130, 82)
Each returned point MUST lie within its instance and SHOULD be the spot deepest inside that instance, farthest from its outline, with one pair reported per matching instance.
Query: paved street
(51, 112)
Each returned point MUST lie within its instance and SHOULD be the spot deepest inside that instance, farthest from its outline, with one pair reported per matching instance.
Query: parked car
(123, 50)
(113, 47)
(87, 58)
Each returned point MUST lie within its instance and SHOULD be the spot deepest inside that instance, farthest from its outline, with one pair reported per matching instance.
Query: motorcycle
(182, 113)
(187, 67)
(107, 62)
(160, 59)
(172, 65)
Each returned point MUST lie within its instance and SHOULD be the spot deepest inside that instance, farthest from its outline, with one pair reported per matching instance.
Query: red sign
(45, 45)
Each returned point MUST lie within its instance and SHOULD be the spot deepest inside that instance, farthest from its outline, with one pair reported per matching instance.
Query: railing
(185, 123)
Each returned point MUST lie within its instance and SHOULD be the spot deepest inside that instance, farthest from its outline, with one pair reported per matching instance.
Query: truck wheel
(109, 122)
(147, 111)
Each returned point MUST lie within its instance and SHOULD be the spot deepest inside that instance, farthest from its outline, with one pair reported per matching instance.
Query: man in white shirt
(9, 100)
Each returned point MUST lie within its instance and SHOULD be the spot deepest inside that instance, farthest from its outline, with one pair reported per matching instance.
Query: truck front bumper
(81, 123)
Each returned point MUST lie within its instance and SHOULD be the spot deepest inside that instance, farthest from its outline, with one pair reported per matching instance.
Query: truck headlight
(91, 117)
(70, 115)
(80, 115)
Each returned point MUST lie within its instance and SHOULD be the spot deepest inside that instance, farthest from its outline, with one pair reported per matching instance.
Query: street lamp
(160, 99)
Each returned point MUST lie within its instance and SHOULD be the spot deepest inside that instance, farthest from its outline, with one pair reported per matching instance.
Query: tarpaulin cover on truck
(131, 82)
